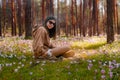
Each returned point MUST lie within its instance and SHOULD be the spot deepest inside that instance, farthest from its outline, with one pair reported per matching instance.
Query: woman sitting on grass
(42, 46)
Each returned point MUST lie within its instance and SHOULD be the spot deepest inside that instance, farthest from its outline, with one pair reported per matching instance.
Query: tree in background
(66, 19)
(4, 16)
(84, 26)
(13, 21)
(43, 10)
(58, 11)
(50, 7)
(95, 17)
(19, 17)
(110, 21)
(0, 21)
(90, 18)
(28, 21)
(80, 17)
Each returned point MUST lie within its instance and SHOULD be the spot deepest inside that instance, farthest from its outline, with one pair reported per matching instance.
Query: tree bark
(13, 18)
(90, 18)
(28, 21)
(118, 25)
(19, 18)
(0, 20)
(4, 17)
(66, 19)
(84, 27)
(73, 18)
(110, 16)
(81, 17)
(50, 8)
(58, 23)
(43, 10)
(95, 17)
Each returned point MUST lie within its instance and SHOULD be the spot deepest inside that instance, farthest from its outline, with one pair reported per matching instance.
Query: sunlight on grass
(91, 43)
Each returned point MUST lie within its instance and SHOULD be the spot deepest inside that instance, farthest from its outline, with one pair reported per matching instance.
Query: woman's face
(50, 24)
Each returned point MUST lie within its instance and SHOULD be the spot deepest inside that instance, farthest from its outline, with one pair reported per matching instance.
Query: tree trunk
(115, 15)
(110, 15)
(81, 18)
(33, 12)
(28, 21)
(0, 20)
(90, 18)
(66, 19)
(76, 11)
(43, 10)
(73, 18)
(19, 18)
(50, 8)
(58, 23)
(118, 25)
(84, 28)
(4, 17)
(13, 18)
(95, 17)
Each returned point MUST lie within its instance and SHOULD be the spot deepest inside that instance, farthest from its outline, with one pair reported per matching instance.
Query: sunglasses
(51, 22)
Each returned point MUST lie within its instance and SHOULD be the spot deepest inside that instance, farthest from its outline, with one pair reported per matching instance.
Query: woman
(41, 41)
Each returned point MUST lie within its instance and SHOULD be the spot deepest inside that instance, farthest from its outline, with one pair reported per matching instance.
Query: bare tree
(13, 18)
(76, 15)
(84, 27)
(4, 17)
(66, 19)
(50, 7)
(90, 18)
(19, 18)
(110, 15)
(95, 17)
(80, 17)
(28, 21)
(73, 18)
(0, 20)
(58, 17)
(43, 10)
(118, 26)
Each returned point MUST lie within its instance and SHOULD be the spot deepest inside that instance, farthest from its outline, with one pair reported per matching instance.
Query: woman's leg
(62, 51)
(59, 50)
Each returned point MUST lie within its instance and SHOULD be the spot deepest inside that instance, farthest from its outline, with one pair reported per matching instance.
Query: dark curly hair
(51, 32)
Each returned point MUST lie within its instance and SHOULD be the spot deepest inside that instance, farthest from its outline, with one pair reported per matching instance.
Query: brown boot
(69, 53)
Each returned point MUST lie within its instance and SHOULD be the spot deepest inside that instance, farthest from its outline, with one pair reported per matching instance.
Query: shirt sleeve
(38, 41)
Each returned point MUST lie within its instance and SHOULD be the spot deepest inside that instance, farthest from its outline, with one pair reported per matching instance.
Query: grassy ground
(94, 60)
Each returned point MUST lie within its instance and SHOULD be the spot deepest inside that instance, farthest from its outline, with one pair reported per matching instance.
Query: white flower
(31, 73)
(14, 63)
(37, 62)
(117, 65)
(23, 65)
(30, 63)
(10, 64)
(16, 70)
(18, 67)
(19, 63)
(103, 76)
(7, 64)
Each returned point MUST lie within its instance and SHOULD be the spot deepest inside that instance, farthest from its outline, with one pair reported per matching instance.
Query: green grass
(56, 70)
(22, 66)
